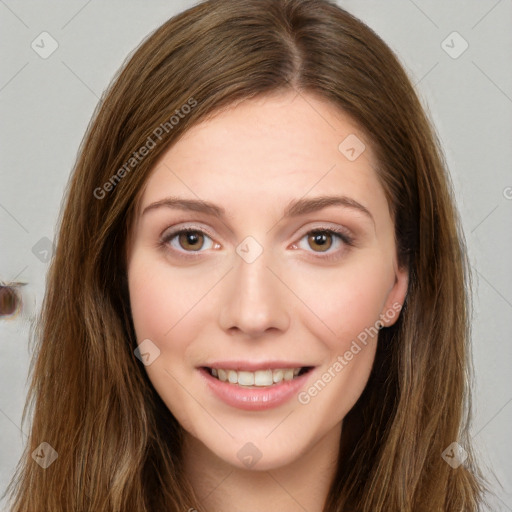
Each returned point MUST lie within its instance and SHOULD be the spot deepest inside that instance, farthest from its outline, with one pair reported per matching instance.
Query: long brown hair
(118, 446)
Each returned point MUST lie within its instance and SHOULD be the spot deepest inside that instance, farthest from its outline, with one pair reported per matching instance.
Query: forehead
(274, 147)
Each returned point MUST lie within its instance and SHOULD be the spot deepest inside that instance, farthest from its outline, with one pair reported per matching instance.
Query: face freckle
(260, 286)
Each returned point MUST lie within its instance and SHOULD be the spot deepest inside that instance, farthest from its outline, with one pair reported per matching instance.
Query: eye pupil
(320, 238)
(190, 237)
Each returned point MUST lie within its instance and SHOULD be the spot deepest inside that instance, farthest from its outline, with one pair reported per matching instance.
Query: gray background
(46, 105)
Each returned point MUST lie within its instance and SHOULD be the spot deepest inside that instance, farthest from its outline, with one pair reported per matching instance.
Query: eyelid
(326, 226)
(176, 229)
(322, 226)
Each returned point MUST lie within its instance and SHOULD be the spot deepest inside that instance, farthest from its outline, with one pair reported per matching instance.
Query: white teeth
(262, 378)
(258, 378)
(246, 378)
(278, 375)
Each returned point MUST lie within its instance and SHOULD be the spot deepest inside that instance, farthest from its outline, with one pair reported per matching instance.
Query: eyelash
(341, 234)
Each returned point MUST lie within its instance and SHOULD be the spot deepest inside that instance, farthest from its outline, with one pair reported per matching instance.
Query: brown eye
(191, 240)
(188, 242)
(321, 239)
(9, 301)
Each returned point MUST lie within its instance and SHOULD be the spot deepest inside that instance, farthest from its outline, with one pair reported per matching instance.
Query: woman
(259, 298)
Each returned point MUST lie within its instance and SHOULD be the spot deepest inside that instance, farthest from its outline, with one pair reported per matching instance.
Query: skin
(291, 303)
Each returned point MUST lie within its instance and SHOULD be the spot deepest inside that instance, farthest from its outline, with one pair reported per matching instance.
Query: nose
(254, 300)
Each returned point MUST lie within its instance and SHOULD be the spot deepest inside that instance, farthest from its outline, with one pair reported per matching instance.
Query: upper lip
(252, 366)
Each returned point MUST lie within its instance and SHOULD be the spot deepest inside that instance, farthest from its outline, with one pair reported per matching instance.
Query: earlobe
(396, 298)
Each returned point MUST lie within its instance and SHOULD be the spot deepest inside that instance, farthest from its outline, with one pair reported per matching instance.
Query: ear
(396, 298)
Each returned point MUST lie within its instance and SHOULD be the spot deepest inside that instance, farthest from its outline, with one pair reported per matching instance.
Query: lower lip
(253, 399)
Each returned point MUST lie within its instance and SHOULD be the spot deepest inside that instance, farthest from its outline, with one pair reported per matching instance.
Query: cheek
(345, 302)
(172, 306)
(167, 309)
(161, 298)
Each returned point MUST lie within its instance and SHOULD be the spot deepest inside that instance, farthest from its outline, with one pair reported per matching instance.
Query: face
(269, 278)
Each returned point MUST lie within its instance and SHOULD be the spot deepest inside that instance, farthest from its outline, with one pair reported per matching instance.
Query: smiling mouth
(259, 378)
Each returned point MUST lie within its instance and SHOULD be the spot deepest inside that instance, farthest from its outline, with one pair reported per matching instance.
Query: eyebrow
(295, 208)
